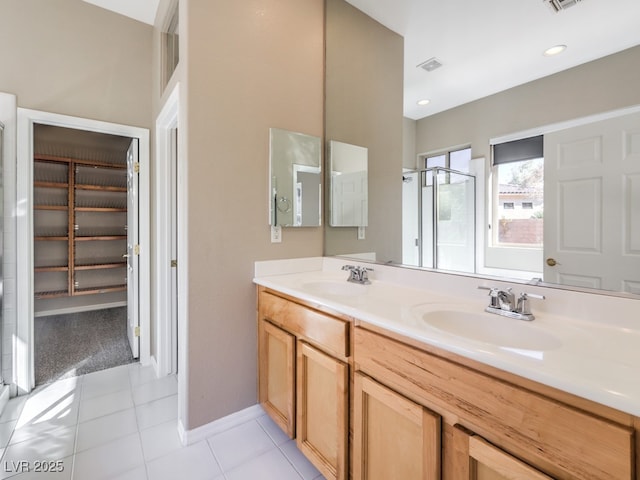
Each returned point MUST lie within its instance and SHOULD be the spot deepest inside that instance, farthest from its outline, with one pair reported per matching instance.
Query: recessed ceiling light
(555, 50)
(424, 102)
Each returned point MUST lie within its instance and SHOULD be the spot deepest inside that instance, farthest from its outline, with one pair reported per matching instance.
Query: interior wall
(70, 57)
(602, 85)
(364, 75)
(250, 65)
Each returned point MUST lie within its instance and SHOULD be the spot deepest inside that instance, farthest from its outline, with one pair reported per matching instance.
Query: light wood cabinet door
(322, 411)
(277, 354)
(487, 462)
(394, 438)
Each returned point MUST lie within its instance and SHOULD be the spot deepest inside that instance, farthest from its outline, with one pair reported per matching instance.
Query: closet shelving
(80, 217)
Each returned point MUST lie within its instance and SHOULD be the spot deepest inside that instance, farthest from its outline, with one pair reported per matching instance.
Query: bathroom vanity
(373, 387)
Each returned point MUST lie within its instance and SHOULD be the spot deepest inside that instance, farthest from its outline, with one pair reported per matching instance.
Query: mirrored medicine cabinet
(295, 179)
(348, 166)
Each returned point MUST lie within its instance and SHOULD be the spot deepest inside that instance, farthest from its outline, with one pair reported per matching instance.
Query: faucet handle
(523, 302)
(493, 293)
(348, 267)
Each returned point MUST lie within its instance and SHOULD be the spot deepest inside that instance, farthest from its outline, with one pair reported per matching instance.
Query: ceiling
(489, 46)
(484, 46)
(141, 10)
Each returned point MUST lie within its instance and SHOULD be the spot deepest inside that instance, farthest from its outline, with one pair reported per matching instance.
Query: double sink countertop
(581, 343)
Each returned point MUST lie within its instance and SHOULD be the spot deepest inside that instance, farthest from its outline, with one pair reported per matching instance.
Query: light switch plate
(276, 234)
(361, 233)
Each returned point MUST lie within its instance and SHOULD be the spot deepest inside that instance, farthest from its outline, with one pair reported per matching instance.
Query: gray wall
(73, 58)
(364, 75)
(248, 66)
(602, 85)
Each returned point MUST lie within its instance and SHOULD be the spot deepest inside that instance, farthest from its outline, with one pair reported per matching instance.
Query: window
(170, 47)
(458, 160)
(518, 169)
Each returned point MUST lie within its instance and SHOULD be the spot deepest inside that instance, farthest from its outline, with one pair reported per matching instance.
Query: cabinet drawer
(327, 332)
(558, 438)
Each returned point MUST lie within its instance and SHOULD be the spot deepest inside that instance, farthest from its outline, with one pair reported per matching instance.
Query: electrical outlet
(360, 233)
(276, 234)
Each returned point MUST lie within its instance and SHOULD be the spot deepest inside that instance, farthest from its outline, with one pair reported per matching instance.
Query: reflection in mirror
(348, 184)
(361, 51)
(295, 198)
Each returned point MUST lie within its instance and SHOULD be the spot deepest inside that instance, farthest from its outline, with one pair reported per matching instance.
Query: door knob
(552, 262)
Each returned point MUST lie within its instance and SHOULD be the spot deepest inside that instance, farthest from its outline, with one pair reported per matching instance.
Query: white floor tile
(160, 440)
(195, 462)
(105, 404)
(139, 375)
(154, 390)
(55, 470)
(6, 429)
(57, 403)
(13, 409)
(157, 412)
(303, 466)
(118, 419)
(109, 460)
(240, 444)
(54, 445)
(33, 423)
(273, 430)
(105, 382)
(105, 429)
(139, 473)
(268, 466)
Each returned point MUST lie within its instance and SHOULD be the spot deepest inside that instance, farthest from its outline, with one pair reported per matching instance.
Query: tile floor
(121, 423)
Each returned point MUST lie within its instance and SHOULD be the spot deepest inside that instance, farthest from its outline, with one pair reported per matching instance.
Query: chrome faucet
(503, 302)
(358, 274)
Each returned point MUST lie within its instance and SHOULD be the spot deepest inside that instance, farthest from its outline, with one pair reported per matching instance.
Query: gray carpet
(78, 343)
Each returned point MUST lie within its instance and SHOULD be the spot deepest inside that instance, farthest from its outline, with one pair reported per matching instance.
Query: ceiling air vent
(557, 5)
(430, 65)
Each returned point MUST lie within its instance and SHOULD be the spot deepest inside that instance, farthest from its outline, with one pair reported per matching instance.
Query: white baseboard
(78, 309)
(154, 364)
(189, 437)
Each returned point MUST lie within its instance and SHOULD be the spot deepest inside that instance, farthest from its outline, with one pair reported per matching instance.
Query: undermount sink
(506, 333)
(335, 288)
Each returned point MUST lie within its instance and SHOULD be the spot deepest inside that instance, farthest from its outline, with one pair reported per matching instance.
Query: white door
(349, 206)
(133, 307)
(591, 197)
(174, 250)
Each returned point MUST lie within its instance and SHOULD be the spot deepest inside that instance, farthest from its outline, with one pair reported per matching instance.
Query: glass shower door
(447, 217)
(455, 238)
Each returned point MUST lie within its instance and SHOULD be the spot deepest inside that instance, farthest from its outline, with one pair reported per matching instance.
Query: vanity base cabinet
(527, 426)
(303, 371)
(479, 460)
(322, 410)
(393, 436)
(277, 375)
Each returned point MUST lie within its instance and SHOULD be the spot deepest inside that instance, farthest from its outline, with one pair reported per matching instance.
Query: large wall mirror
(582, 222)
(295, 198)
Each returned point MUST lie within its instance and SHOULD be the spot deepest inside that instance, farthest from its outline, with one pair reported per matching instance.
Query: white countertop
(597, 359)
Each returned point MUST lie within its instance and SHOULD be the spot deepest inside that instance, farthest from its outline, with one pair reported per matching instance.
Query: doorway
(91, 278)
(85, 219)
(169, 255)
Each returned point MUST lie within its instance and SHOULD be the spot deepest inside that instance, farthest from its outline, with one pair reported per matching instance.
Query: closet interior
(79, 217)
(79, 224)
